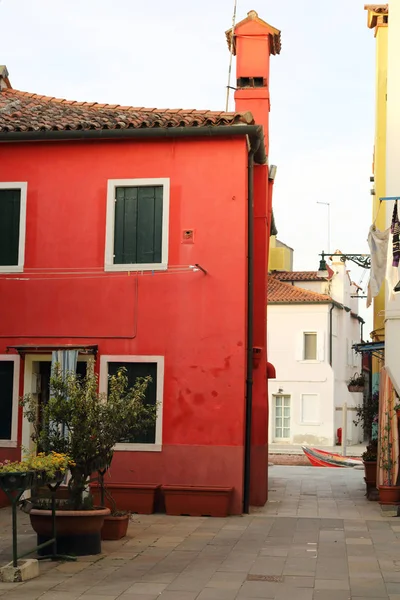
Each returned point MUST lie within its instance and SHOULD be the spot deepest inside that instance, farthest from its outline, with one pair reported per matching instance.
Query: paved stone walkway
(317, 538)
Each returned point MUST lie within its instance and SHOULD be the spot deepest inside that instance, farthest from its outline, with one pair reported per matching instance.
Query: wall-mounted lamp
(272, 172)
(280, 390)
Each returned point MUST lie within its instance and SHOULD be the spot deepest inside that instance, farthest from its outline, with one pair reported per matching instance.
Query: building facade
(313, 324)
(128, 235)
(378, 17)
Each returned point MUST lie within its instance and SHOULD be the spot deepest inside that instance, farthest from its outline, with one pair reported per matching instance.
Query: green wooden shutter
(133, 371)
(6, 398)
(10, 209)
(138, 225)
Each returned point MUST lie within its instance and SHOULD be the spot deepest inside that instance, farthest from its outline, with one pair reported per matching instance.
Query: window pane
(6, 398)
(10, 207)
(138, 225)
(310, 346)
(278, 411)
(133, 371)
(278, 432)
(309, 408)
(278, 400)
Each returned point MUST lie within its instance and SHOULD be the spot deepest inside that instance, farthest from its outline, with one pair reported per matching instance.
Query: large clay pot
(77, 531)
(115, 528)
(370, 472)
(389, 494)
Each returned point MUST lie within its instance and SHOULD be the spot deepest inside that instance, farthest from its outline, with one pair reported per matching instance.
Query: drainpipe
(331, 334)
(250, 304)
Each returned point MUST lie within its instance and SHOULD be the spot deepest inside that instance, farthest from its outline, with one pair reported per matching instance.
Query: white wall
(392, 326)
(286, 325)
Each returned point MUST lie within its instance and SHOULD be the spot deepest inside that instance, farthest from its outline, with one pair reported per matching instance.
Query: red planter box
(134, 498)
(197, 501)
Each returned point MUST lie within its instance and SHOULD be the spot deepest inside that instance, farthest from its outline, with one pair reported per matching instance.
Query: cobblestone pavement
(317, 538)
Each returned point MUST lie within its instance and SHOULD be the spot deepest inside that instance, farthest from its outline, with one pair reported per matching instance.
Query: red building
(141, 236)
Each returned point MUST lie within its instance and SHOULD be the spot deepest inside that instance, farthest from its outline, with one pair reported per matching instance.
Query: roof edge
(255, 134)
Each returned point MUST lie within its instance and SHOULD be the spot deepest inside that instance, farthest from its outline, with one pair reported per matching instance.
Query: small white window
(139, 366)
(310, 409)
(12, 226)
(9, 384)
(137, 225)
(310, 346)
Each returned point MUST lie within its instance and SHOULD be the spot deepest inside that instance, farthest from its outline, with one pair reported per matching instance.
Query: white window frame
(110, 222)
(311, 423)
(13, 442)
(283, 396)
(105, 359)
(23, 187)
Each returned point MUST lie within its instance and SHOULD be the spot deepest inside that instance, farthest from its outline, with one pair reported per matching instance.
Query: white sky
(174, 54)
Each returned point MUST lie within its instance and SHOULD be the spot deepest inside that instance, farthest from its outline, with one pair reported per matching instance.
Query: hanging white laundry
(378, 242)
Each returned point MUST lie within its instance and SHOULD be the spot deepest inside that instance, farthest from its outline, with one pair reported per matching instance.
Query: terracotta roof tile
(297, 276)
(279, 292)
(22, 111)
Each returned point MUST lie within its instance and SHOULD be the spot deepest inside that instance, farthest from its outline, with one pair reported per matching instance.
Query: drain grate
(270, 578)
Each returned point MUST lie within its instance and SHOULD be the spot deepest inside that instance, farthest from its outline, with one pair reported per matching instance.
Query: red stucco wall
(196, 321)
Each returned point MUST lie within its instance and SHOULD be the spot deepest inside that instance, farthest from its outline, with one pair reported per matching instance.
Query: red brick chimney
(254, 41)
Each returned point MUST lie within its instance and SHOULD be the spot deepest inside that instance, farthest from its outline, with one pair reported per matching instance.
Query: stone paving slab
(351, 552)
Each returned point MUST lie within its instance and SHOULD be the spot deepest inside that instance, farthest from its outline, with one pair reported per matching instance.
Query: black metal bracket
(361, 260)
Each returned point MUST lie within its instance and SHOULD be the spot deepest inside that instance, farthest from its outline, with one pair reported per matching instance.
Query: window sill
(138, 267)
(138, 447)
(8, 444)
(311, 361)
(12, 269)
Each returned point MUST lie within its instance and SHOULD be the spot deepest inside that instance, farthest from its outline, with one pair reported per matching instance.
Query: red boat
(321, 458)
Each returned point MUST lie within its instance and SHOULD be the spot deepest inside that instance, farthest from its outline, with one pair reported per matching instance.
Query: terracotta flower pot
(134, 498)
(370, 472)
(115, 528)
(355, 388)
(198, 501)
(77, 531)
(389, 494)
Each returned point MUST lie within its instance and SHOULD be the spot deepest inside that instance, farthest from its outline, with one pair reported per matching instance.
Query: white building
(313, 323)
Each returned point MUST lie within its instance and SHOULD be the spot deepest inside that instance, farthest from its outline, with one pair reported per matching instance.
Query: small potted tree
(356, 383)
(84, 425)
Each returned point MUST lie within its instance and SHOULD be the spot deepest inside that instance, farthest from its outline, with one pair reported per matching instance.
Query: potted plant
(356, 383)
(389, 492)
(85, 425)
(370, 458)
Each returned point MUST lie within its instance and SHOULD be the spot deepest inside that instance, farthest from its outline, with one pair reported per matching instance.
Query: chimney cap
(377, 14)
(252, 15)
(4, 81)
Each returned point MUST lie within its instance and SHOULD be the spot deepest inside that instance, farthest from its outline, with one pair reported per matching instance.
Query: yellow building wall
(378, 21)
(280, 257)
(378, 212)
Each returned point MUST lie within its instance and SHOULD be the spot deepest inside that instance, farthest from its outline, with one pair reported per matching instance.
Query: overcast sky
(174, 54)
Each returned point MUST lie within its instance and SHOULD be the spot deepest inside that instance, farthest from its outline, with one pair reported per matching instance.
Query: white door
(281, 418)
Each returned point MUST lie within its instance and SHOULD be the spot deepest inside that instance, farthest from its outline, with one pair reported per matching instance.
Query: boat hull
(322, 458)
